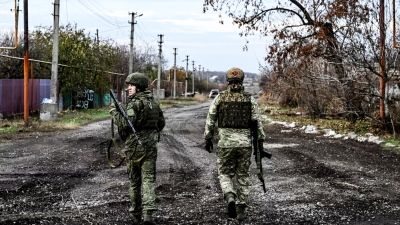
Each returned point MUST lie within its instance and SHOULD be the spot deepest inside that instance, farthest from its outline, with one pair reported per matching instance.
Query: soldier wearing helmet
(148, 120)
(233, 109)
(139, 80)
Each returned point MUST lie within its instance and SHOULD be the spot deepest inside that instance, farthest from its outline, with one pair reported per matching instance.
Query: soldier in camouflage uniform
(233, 109)
(148, 120)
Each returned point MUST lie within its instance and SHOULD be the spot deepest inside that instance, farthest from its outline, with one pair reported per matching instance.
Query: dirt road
(64, 178)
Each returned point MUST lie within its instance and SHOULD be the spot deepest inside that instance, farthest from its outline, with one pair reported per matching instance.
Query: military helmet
(138, 79)
(235, 74)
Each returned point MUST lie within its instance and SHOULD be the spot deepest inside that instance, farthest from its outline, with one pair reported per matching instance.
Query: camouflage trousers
(141, 163)
(235, 163)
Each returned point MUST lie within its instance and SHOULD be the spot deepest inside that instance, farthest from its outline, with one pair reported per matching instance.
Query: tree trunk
(352, 106)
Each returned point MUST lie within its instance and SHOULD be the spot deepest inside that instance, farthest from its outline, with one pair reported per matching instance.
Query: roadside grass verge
(73, 119)
(182, 101)
(68, 119)
(364, 127)
(360, 127)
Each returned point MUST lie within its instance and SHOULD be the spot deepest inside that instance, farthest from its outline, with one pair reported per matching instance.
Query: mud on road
(64, 178)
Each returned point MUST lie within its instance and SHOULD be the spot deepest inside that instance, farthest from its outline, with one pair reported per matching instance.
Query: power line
(99, 15)
(149, 40)
(117, 28)
(144, 28)
(90, 1)
(46, 62)
(9, 1)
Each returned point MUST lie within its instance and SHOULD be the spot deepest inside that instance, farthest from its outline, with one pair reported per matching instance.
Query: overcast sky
(199, 35)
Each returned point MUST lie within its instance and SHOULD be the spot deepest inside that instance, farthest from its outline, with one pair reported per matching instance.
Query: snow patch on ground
(311, 129)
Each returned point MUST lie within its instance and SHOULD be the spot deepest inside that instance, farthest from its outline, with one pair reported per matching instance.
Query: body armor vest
(234, 110)
(148, 115)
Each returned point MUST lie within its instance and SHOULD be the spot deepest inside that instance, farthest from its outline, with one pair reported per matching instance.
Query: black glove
(209, 145)
(263, 153)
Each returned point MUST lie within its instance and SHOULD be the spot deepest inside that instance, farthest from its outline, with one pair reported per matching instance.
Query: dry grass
(182, 101)
(200, 97)
(66, 120)
(72, 119)
(339, 125)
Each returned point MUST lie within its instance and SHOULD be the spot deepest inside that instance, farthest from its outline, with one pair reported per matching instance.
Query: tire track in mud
(186, 173)
(310, 179)
(314, 179)
(307, 165)
(62, 178)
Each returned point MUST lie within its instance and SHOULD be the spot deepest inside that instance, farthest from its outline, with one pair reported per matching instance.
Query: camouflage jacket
(148, 137)
(231, 137)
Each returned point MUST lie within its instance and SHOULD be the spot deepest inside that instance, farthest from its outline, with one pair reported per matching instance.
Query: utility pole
(54, 61)
(193, 78)
(202, 72)
(26, 65)
(382, 67)
(159, 66)
(48, 110)
(131, 44)
(175, 72)
(97, 37)
(199, 72)
(206, 79)
(16, 13)
(186, 78)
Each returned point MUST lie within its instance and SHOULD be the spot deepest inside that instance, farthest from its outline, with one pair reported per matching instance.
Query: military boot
(148, 218)
(136, 218)
(230, 199)
(241, 212)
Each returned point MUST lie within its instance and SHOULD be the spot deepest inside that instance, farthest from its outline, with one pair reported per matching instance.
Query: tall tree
(301, 29)
(84, 61)
(11, 68)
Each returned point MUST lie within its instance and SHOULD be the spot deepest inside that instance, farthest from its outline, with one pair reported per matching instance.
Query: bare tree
(302, 31)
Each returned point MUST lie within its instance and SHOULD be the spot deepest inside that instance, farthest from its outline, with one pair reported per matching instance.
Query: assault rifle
(258, 152)
(123, 113)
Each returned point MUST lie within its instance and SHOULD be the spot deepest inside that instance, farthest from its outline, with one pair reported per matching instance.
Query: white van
(213, 93)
